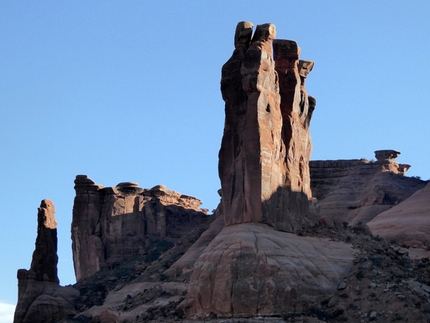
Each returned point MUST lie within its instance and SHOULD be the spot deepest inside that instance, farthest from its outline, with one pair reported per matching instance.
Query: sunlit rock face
(256, 265)
(111, 224)
(266, 146)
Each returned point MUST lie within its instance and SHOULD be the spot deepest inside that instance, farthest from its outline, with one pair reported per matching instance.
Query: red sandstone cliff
(112, 224)
(151, 255)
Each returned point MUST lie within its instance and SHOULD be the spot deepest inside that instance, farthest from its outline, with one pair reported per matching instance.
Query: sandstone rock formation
(151, 255)
(386, 158)
(111, 224)
(40, 297)
(253, 267)
(250, 269)
(408, 222)
(357, 190)
(263, 160)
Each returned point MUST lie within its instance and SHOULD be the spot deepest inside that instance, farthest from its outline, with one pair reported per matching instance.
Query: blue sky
(129, 91)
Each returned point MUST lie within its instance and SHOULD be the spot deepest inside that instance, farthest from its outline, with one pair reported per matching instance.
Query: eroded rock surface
(40, 297)
(111, 224)
(263, 160)
(252, 269)
(408, 222)
(357, 190)
(387, 159)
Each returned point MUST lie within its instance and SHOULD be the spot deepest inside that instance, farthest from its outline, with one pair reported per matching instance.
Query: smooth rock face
(408, 222)
(252, 269)
(112, 224)
(40, 297)
(358, 190)
(263, 160)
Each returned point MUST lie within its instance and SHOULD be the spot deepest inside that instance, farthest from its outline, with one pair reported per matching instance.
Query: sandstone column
(88, 249)
(266, 147)
(40, 296)
(231, 155)
(250, 164)
(45, 259)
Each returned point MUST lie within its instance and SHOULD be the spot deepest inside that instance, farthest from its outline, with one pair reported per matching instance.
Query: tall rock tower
(256, 265)
(266, 146)
(40, 297)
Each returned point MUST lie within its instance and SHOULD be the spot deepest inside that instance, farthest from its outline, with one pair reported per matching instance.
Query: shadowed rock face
(111, 224)
(265, 150)
(407, 222)
(40, 297)
(45, 259)
(357, 190)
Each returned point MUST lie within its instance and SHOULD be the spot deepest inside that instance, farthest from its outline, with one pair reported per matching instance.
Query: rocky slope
(408, 222)
(358, 190)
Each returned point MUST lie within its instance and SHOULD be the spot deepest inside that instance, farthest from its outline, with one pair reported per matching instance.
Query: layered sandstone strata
(111, 224)
(357, 190)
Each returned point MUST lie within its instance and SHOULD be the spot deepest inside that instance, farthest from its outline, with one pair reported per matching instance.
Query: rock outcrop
(357, 190)
(254, 266)
(40, 297)
(265, 255)
(387, 159)
(111, 224)
(265, 150)
(251, 269)
(408, 222)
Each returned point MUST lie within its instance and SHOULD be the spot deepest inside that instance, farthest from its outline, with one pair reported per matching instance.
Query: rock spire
(266, 146)
(40, 297)
(45, 259)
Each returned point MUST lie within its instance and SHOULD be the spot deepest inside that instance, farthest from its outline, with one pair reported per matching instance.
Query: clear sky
(129, 91)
